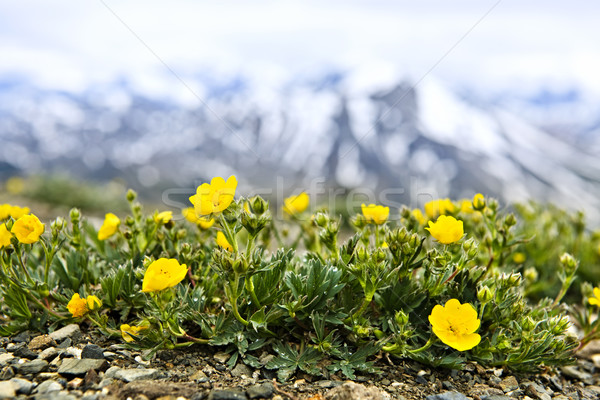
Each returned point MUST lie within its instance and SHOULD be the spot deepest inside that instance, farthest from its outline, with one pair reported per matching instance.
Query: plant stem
(20, 258)
(250, 288)
(236, 313)
(425, 347)
(366, 301)
(229, 233)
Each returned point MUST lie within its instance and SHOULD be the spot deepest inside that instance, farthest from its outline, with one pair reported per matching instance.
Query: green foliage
(329, 308)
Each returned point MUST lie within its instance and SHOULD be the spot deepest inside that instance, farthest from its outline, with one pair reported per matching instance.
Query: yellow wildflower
(418, 215)
(15, 185)
(446, 229)
(595, 300)
(204, 223)
(77, 306)
(519, 258)
(5, 236)
(214, 197)
(222, 242)
(438, 207)
(163, 217)
(17, 212)
(128, 332)
(455, 324)
(163, 273)
(376, 214)
(5, 211)
(28, 229)
(466, 206)
(478, 202)
(294, 205)
(93, 303)
(109, 227)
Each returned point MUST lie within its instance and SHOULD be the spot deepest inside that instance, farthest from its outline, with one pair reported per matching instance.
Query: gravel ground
(72, 364)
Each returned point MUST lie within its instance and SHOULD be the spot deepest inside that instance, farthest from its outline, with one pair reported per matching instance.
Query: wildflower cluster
(442, 285)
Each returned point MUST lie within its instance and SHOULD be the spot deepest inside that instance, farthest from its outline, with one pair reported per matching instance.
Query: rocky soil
(72, 364)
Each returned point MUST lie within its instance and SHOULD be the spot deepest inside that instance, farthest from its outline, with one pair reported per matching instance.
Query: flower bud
(259, 205)
(510, 220)
(478, 202)
(128, 235)
(528, 323)
(468, 244)
(401, 318)
(93, 303)
(379, 255)
(484, 295)
(321, 219)
(75, 214)
(181, 234)
(131, 195)
(359, 221)
(362, 254)
(414, 240)
(405, 212)
(569, 263)
(514, 279)
(129, 221)
(186, 248)
(530, 274)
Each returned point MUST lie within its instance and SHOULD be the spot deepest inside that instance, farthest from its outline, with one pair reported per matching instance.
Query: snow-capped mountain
(398, 141)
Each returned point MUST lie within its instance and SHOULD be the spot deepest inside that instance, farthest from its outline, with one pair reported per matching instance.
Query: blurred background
(403, 102)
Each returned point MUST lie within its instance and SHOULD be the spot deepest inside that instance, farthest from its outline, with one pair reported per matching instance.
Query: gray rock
(21, 337)
(70, 331)
(65, 343)
(263, 391)
(222, 357)
(328, 384)
(56, 396)
(22, 386)
(7, 390)
(32, 367)
(111, 372)
(226, 395)
(41, 342)
(509, 384)
(356, 391)
(199, 377)
(72, 367)
(240, 370)
(573, 372)
(93, 351)
(48, 354)
(447, 396)
(135, 374)
(7, 373)
(24, 352)
(496, 397)
(5, 357)
(48, 386)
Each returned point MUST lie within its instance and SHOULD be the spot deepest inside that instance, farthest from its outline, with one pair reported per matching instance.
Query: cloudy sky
(488, 45)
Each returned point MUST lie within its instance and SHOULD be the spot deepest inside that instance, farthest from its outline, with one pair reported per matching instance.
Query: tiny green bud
(128, 235)
(137, 208)
(414, 241)
(569, 263)
(378, 334)
(186, 248)
(514, 279)
(321, 219)
(510, 220)
(528, 323)
(379, 255)
(129, 221)
(484, 295)
(405, 212)
(75, 214)
(359, 221)
(468, 244)
(401, 318)
(362, 254)
(181, 234)
(531, 274)
(131, 195)
(259, 205)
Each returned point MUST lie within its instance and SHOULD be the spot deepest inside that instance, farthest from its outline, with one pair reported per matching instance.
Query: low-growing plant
(441, 286)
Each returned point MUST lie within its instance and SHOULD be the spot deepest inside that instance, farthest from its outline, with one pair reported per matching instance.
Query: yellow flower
(109, 227)
(478, 202)
(163, 273)
(222, 242)
(128, 332)
(455, 324)
(5, 236)
(294, 205)
(375, 214)
(466, 206)
(5, 211)
(93, 303)
(17, 212)
(77, 306)
(438, 207)
(446, 229)
(214, 197)
(15, 185)
(595, 301)
(163, 217)
(519, 258)
(28, 229)
(419, 216)
(204, 223)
